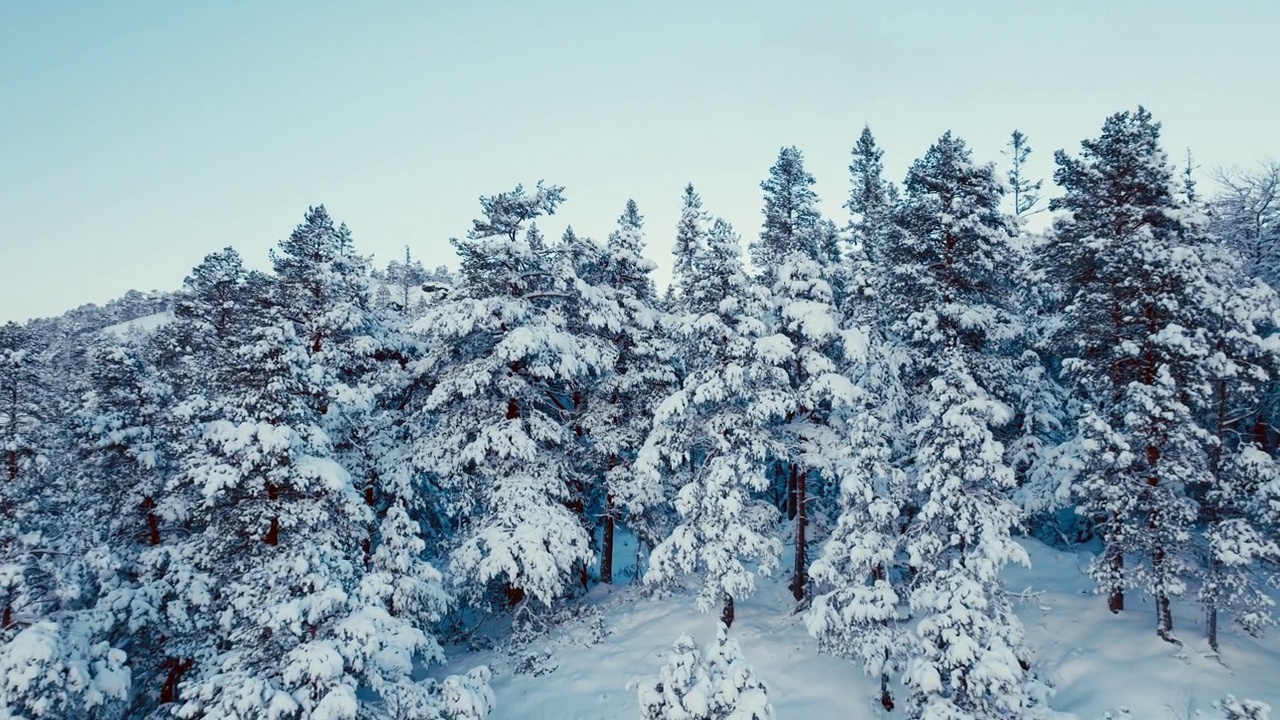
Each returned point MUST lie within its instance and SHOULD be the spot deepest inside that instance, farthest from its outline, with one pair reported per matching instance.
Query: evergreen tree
(1131, 280)
(715, 432)
(717, 686)
(691, 232)
(1239, 507)
(803, 310)
(304, 612)
(1025, 192)
(871, 198)
(791, 218)
(856, 611)
(26, 414)
(620, 406)
(496, 433)
(950, 301)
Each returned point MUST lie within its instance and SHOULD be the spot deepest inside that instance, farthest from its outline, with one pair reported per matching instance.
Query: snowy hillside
(1099, 662)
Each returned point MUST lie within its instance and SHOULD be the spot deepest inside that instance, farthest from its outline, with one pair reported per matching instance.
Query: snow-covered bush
(719, 685)
(59, 670)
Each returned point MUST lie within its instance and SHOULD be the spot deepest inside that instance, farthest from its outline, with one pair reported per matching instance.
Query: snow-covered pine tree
(682, 688)
(276, 526)
(719, 685)
(871, 198)
(1241, 506)
(302, 616)
(405, 276)
(715, 432)
(322, 287)
(56, 658)
(619, 407)
(1024, 191)
(691, 234)
(855, 613)
(494, 431)
(120, 426)
(356, 358)
(951, 300)
(796, 277)
(1130, 339)
(126, 440)
(186, 360)
(791, 217)
(23, 412)
(26, 444)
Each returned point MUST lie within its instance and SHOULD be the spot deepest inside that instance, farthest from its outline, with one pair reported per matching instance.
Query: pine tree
(797, 279)
(1131, 280)
(715, 432)
(1239, 506)
(496, 432)
(856, 611)
(871, 199)
(950, 302)
(305, 610)
(1025, 191)
(691, 233)
(26, 414)
(620, 406)
(791, 218)
(717, 686)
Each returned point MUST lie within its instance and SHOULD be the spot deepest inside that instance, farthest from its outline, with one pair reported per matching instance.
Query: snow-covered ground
(144, 324)
(1099, 662)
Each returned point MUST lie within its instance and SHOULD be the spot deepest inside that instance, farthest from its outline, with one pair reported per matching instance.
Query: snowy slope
(145, 324)
(1099, 662)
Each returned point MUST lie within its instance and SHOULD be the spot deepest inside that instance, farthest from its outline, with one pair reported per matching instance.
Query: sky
(137, 136)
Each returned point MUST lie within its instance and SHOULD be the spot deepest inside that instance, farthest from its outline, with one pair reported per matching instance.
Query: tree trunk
(791, 493)
(153, 520)
(1164, 613)
(802, 519)
(726, 613)
(606, 552)
(177, 668)
(1211, 609)
(1215, 565)
(886, 697)
(273, 532)
(1115, 561)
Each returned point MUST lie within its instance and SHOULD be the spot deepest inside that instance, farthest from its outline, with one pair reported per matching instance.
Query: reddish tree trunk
(273, 532)
(177, 668)
(153, 520)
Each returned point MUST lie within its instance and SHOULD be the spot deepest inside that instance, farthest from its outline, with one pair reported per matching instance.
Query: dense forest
(281, 495)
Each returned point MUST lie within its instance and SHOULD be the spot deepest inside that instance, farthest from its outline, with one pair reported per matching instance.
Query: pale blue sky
(136, 137)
